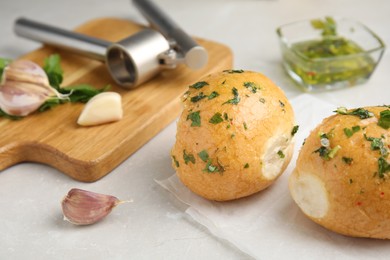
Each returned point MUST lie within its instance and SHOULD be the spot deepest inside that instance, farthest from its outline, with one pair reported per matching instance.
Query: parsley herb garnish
(325, 151)
(216, 118)
(384, 119)
(294, 130)
(52, 67)
(251, 86)
(281, 154)
(383, 167)
(328, 26)
(3, 64)
(212, 95)
(360, 112)
(195, 118)
(347, 160)
(245, 126)
(377, 144)
(225, 116)
(246, 166)
(199, 84)
(350, 131)
(188, 157)
(203, 155)
(198, 97)
(233, 71)
(176, 161)
(235, 100)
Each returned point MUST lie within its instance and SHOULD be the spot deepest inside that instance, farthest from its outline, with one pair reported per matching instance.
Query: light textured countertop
(155, 225)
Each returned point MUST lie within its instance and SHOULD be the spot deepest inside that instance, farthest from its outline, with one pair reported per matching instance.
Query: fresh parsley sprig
(76, 93)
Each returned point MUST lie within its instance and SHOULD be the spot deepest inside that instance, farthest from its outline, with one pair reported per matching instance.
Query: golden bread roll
(341, 179)
(234, 136)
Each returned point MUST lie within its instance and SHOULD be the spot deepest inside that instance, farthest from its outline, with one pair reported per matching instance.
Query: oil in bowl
(325, 54)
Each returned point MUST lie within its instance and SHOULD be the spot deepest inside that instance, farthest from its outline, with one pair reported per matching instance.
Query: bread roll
(341, 179)
(234, 136)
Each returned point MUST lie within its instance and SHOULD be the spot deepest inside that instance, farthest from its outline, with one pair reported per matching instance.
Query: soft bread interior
(276, 152)
(310, 194)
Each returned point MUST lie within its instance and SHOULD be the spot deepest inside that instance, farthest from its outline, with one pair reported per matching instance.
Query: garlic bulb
(82, 207)
(24, 88)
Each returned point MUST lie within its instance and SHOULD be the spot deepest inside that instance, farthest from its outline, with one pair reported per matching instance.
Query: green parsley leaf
(188, 157)
(203, 155)
(211, 168)
(252, 86)
(213, 94)
(350, 131)
(198, 97)
(328, 26)
(235, 100)
(294, 130)
(246, 166)
(327, 153)
(82, 92)
(52, 67)
(3, 64)
(233, 71)
(50, 103)
(195, 118)
(225, 116)
(383, 167)
(360, 112)
(384, 119)
(176, 161)
(281, 154)
(347, 160)
(377, 144)
(216, 118)
(245, 126)
(199, 84)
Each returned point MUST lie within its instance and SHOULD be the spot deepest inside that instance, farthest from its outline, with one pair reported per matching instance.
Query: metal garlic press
(134, 59)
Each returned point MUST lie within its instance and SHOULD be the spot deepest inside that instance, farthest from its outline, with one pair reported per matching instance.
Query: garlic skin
(103, 108)
(82, 207)
(24, 88)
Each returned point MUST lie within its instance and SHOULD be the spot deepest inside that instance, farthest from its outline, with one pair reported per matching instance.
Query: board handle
(76, 42)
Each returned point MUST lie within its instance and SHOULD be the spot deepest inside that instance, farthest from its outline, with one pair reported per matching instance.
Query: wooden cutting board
(89, 153)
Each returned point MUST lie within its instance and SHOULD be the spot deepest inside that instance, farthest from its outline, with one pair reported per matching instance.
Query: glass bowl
(319, 62)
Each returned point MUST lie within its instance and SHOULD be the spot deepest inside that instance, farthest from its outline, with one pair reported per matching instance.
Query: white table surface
(155, 225)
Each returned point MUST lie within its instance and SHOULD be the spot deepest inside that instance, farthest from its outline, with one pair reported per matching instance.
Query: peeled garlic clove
(103, 108)
(82, 207)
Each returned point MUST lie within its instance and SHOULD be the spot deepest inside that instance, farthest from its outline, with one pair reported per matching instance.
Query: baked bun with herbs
(234, 136)
(342, 175)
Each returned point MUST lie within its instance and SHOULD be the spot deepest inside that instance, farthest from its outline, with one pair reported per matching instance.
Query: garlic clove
(103, 108)
(20, 99)
(25, 71)
(82, 207)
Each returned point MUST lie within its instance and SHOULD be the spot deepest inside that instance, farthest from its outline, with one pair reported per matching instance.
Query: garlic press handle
(193, 55)
(76, 42)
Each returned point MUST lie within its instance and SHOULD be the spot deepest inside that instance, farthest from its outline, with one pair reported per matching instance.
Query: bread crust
(358, 192)
(248, 115)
